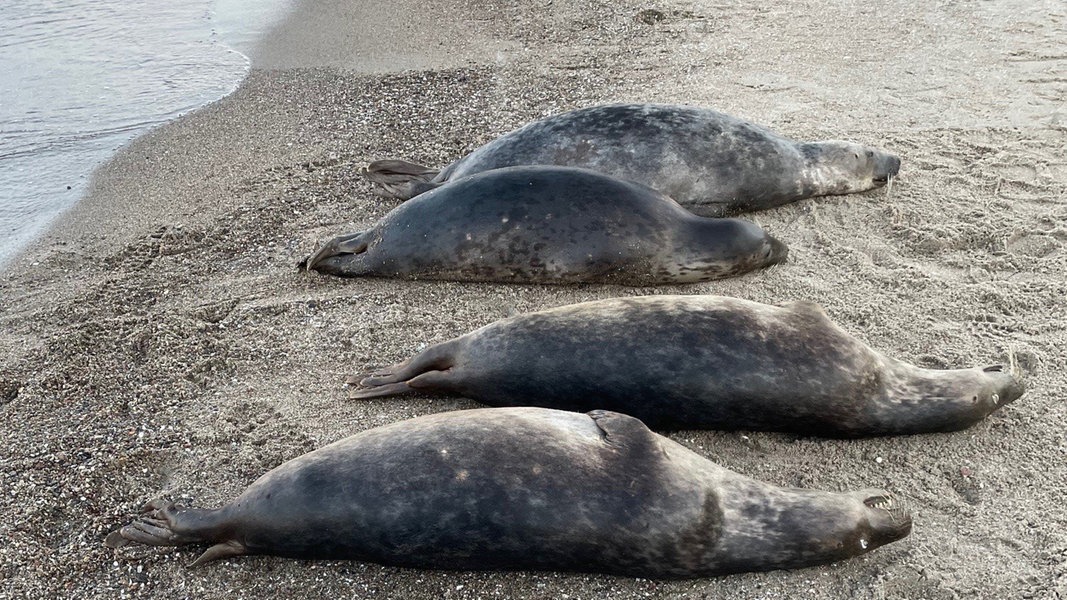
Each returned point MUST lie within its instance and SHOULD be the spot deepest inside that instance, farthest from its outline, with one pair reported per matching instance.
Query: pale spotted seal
(549, 225)
(701, 362)
(528, 488)
(711, 163)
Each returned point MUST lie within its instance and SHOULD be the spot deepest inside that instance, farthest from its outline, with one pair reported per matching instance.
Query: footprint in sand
(1033, 245)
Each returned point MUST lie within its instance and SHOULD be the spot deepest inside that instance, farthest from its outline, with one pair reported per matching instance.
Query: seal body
(709, 162)
(528, 488)
(701, 362)
(549, 225)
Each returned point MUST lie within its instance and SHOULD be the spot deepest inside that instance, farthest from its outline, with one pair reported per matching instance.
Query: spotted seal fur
(711, 163)
(549, 225)
(527, 488)
(700, 362)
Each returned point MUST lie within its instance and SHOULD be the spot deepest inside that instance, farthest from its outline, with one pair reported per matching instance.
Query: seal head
(837, 167)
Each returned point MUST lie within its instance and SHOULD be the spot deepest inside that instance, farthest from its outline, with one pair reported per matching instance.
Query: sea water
(80, 78)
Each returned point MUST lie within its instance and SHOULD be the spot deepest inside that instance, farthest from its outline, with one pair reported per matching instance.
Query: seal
(701, 362)
(527, 488)
(543, 224)
(709, 162)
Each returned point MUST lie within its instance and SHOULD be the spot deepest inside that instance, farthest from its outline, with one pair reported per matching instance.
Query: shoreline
(162, 343)
(72, 107)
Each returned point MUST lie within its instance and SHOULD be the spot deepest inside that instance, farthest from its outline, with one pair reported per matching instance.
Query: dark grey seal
(701, 362)
(528, 488)
(549, 225)
(711, 163)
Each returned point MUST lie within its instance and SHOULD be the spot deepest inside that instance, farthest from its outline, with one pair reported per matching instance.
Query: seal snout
(886, 166)
(888, 517)
(776, 251)
(1006, 387)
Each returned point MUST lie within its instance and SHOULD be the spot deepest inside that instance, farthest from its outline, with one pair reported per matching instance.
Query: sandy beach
(160, 342)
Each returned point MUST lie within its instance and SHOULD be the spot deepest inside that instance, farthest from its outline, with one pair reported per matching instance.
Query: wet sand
(159, 341)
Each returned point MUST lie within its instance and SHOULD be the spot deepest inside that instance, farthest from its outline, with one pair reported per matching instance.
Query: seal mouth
(888, 522)
(883, 502)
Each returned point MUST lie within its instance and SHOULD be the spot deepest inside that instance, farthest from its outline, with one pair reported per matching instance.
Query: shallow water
(79, 79)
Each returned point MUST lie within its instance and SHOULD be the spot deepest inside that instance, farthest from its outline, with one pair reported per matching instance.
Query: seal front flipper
(621, 430)
(223, 550)
(613, 424)
(167, 524)
(355, 243)
(401, 179)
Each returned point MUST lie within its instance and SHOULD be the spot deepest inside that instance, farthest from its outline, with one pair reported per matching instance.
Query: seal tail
(166, 524)
(401, 179)
(430, 370)
(355, 243)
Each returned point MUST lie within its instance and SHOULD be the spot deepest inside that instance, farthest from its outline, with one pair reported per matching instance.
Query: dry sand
(160, 342)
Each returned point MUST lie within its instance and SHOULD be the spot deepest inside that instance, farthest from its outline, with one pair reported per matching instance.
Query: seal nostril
(993, 369)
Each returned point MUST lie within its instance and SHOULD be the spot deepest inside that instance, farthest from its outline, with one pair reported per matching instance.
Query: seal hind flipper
(433, 381)
(381, 391)
(151, 532)
(400, 179)
(355, 243)
(167, 524)
(429, 370)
